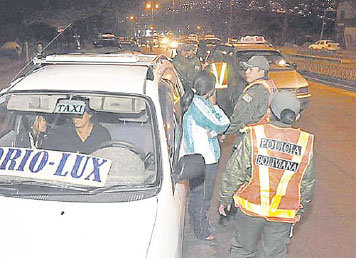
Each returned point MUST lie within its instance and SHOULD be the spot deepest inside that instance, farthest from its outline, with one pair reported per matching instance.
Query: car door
(173, 130)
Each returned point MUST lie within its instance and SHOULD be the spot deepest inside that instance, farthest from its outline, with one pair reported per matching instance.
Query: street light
(323, 21)
(151, 6)
(230, 20)
(132, 18)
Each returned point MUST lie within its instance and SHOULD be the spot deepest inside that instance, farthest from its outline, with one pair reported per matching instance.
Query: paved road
(328, 229)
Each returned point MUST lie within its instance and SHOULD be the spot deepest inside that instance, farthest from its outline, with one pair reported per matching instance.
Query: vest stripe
(222, 78)
(262, 170)
(287, 175)
(263, 173)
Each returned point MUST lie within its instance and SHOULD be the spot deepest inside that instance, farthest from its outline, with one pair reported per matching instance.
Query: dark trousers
(249, 230)
(200, 196)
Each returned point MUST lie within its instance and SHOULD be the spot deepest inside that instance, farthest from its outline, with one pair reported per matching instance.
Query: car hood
(288, 79)
(34, 229)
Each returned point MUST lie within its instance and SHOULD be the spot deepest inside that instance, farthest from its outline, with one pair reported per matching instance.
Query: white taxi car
(116, 192)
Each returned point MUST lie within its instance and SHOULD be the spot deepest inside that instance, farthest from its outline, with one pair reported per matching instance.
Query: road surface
(328, 228)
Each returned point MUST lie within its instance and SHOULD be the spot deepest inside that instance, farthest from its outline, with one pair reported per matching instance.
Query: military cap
(256, 61)
(283, 101)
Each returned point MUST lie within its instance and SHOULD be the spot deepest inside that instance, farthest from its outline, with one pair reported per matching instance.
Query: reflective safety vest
(280, 157)
(219, 69)
(271, 88)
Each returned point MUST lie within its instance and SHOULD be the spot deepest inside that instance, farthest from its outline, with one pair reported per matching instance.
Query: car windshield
(60, 143)
(275, 59)
(212, 41)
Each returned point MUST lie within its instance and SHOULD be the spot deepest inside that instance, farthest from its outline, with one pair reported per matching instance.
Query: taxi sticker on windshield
(67, 106)
(65, 167)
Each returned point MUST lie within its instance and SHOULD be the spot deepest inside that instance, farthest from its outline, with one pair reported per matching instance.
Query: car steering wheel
(130, 146)
(147, 159)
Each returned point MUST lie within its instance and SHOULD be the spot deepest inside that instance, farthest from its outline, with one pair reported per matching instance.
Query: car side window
(166, 99)
(6, 121)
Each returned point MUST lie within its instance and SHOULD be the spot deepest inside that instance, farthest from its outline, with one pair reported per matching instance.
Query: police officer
(202, 51)
(228, 83)
(252, 105)
(186, 64)
(194, 65)
(272, 177)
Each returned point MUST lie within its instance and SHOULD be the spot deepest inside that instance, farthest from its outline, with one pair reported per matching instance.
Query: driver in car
(83, 136)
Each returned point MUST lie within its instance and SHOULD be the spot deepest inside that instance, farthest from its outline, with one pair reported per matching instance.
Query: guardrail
(324, 67)
(340, 65)
(339, 54)
(329, 59)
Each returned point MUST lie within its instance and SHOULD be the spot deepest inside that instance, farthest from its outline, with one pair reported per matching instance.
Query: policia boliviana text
(270, 178)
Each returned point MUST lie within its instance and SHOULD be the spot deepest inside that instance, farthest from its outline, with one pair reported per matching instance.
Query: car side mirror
(190, 166)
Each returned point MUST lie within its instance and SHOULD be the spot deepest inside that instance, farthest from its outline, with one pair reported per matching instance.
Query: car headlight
(282, 62)
(164, 41)
(302, 90)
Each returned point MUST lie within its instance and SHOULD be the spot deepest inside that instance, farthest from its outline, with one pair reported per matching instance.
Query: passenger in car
(32, 133)
(83, 136)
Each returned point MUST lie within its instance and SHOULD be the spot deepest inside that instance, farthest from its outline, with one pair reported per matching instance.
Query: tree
(41, 32)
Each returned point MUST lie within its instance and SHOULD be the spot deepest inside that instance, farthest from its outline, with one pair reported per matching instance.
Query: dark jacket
(187, 69)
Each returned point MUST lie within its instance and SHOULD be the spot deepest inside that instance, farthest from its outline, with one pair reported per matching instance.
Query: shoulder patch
(247, 98)
(197, 67)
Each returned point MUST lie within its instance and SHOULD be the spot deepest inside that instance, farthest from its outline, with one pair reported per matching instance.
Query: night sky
(15, 11)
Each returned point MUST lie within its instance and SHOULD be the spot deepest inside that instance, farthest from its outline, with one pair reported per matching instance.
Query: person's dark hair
(186, 100)
(288, 116)
(204, 82)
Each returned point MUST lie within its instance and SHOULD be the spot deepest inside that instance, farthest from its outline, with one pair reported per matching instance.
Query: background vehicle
(281, 72)
(127, 198)
(107, 40)
(328, 45)
(210, 40)
(193, 37)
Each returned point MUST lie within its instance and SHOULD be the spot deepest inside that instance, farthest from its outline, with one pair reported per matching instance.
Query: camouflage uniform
(251, 106)
(187, 68)
(194, 67)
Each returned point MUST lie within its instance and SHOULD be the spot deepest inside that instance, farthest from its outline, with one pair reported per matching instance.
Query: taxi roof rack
(79, 58)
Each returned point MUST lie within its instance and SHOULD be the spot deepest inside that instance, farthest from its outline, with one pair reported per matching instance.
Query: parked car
(107, 40)
(328, 45)
(283, 73)
(127, 198)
